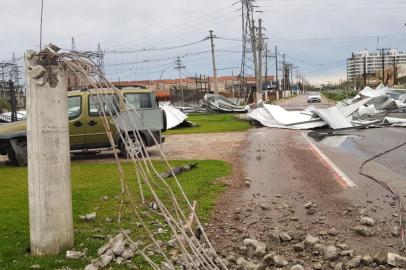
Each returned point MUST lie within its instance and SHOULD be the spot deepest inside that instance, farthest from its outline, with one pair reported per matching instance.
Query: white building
(368, 64)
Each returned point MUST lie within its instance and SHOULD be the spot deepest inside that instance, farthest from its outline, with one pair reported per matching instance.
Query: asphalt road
(287, 169)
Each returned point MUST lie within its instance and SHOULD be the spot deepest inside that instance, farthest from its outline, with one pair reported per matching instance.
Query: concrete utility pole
(179, 67)
(213, 58)
(259, 48)
(49, 171)
(382, 50)
(276, 68)
(254, 50)
(395, 71)
(266, 65)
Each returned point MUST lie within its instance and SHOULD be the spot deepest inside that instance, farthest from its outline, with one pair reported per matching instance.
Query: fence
(12, 99)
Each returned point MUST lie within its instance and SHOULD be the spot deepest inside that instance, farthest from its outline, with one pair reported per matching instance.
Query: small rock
(285, 237)
(106, 258)
(298, 247)
(74, 255)
(260, 247)
(317, 266)
(367, 259)
(294, 218)
(338, 266)
(396, 260)
(35, 266)
(91, 267)
(311, 211)
(280, 261)
(395, 231)
(332, 232)
(367, 221)
(247, 265)
(104, 198)
(363, 230)
(89, 217)
(118, 244)
(247, 183)
(308, 205)
(380, 257)
(103, 249)
(342, 246)
(331, 253)
(311, 240)
(348, 252)
(268, 259)
(297, 267)
(127, 254)
(354, 262)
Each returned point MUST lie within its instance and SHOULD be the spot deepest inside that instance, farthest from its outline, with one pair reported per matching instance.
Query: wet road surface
(285, 172)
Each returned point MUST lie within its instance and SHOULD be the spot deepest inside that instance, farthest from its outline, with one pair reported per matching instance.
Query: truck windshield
(139, 100)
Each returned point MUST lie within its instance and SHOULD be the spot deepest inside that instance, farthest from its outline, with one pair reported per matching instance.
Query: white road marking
(337, 170)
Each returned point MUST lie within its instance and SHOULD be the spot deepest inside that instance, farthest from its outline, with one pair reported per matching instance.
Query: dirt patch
(215, 146)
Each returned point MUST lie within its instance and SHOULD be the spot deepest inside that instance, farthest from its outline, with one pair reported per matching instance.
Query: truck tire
(138, 150)
(12, 156)
(17, 151)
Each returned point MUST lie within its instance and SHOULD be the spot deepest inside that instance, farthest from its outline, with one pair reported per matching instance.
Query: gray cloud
(316, 35)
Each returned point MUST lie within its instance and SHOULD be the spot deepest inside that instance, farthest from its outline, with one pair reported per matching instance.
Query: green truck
(86, 128)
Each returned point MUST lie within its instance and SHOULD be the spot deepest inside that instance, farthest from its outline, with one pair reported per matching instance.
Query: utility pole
(213, 58)
(395, 70)
(13, 101)
(382, 50)
(383, 66)
(49, 165)
(254, 50)
(355, 74)
(266, 65)
(179, 67)
(365, 71)
(276, 68)
(259, 72)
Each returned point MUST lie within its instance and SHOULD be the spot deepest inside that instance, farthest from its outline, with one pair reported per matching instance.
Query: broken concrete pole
(49, 176)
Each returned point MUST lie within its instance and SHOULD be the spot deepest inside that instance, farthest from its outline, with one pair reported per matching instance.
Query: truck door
(96, 135)
(76, 121)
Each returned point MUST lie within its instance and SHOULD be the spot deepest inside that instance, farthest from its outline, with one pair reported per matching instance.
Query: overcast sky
(316, 35)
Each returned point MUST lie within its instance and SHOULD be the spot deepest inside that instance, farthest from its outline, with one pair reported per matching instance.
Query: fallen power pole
(49, 170)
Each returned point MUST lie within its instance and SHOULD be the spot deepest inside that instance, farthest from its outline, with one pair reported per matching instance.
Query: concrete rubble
(370, 107)
(312, 256)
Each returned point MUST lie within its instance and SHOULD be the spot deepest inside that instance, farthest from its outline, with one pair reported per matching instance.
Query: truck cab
(86, 128)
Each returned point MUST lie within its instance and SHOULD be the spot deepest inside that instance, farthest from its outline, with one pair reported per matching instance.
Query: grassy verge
(338, 95)
(91, 181)
(211, 123)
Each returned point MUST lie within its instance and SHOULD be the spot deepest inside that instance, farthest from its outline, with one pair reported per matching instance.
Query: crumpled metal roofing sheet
(334, 118)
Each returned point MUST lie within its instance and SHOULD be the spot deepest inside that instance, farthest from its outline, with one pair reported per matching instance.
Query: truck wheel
(17, 152)
(12, 156)
(134, 147)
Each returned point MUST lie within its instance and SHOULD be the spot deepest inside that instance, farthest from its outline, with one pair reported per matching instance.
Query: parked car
(86, 127)
(313, 97)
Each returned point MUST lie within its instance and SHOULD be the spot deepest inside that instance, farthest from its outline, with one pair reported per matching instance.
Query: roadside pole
(213, 59)
(259, 61)
(49, 175)
(13, 102)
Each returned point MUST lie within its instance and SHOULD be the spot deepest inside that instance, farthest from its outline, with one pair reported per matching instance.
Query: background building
(369, 66)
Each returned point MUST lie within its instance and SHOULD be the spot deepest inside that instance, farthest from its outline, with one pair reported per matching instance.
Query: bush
(338, 95)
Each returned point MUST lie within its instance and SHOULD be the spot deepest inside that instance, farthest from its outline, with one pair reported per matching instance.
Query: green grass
(91, 181)
(211, 123)
(338, 95)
